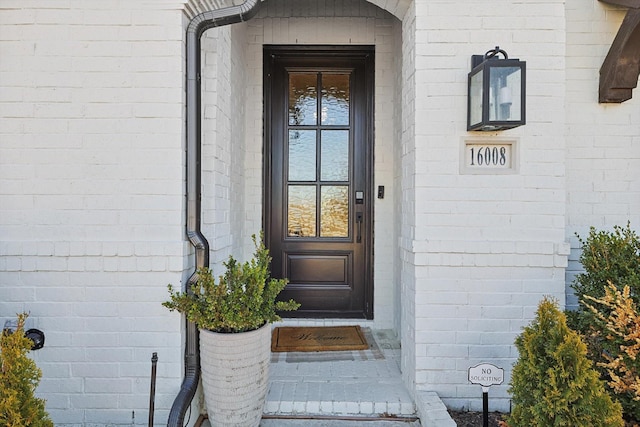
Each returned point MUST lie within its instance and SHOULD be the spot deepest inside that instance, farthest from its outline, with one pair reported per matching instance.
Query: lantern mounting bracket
(490, 54)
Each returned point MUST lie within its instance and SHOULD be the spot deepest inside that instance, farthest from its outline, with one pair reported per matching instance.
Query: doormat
(374, 352)
(331, 338)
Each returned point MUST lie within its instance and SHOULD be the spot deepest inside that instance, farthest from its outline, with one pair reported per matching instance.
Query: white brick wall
(232, 189)
(486, 247)
(603, 140)
(91, 200)
(92, 179)
(406, 184)
(217, 144)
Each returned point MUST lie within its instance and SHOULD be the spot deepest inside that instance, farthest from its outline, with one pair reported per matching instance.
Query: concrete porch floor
(347, 389)
(342, 383)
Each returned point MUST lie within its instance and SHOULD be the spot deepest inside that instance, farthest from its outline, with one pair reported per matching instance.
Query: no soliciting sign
(486, 375)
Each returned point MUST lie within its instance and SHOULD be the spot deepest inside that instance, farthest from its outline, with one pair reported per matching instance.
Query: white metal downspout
(198, 25)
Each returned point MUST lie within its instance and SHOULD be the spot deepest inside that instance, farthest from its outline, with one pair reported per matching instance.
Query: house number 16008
(488, 156)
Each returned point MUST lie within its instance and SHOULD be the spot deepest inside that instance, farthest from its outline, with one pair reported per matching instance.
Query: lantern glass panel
(475, 98)
(505, 94)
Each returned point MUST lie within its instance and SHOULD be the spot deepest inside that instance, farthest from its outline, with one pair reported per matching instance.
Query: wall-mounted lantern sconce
(496, 92)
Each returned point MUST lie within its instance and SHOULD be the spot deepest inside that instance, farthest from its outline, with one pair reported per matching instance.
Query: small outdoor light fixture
(496, 92)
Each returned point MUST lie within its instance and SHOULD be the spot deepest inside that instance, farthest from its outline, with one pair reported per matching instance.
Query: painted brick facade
(91, 196)
(486, 247)
(603, 150)
(92, 179)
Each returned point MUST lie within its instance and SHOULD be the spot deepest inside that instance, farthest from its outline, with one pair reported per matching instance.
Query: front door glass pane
(335, 99)
(303, 99)
(334, 155)
(301, 211)
(302, 155)
(318, 155)
(334, 217)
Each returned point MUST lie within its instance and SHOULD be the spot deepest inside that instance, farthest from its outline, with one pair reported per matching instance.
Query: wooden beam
(634, 4)
(621, 67)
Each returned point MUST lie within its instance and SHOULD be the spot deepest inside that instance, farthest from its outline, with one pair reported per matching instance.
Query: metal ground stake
(152, 393)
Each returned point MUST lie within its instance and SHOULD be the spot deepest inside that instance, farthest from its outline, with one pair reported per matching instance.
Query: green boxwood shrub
(19, 378)
(242, 299)
(553, 383)
(609, 257)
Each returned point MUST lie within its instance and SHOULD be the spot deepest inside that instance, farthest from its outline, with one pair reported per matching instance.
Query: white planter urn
(235, 375)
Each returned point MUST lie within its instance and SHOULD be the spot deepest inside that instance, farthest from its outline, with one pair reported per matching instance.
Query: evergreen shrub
(19, 378)
(553, 383)
(243, 299)
(609, 257)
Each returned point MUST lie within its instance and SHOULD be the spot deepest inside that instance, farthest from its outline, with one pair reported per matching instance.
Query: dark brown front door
(318, 207)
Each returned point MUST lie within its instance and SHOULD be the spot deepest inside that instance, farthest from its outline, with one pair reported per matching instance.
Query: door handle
(359, 219)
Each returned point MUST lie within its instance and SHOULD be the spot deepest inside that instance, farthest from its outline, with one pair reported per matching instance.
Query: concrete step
(337, 423)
